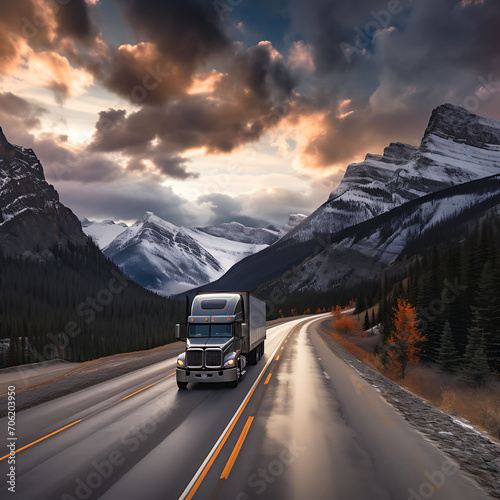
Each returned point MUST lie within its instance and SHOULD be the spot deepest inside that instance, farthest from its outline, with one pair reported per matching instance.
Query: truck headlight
(181, 359)
(230, 360)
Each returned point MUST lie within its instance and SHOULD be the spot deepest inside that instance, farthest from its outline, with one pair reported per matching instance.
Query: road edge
(477, 454)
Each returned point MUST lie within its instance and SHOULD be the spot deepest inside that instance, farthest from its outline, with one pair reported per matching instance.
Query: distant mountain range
(169, 259)
(382, 208)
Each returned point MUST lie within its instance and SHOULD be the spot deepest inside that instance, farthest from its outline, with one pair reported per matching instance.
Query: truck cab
(223, 330)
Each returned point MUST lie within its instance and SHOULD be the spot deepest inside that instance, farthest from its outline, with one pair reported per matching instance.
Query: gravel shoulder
(477, 454)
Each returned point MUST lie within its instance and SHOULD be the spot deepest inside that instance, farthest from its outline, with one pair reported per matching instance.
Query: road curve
(301, 424)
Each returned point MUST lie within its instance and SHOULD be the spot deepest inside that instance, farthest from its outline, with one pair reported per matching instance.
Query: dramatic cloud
(394, 62)
(24, 112)
(222, 208)
(141, 74)
(129, 201)
(235, 108)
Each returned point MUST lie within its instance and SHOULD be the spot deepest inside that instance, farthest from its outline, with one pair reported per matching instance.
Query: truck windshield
(197, 331)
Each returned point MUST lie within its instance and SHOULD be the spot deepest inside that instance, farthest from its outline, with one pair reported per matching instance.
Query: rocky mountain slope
(32, 219)
(368, 249)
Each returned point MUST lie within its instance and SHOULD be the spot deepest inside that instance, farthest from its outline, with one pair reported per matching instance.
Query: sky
(209, 111)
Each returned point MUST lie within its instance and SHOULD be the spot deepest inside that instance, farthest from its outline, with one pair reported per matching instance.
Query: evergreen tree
(475, 368)
(448, 355)
(366, 323)
(486, 312)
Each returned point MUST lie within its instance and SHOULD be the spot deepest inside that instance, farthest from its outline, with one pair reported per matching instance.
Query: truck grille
(194, 358)
(213, 358)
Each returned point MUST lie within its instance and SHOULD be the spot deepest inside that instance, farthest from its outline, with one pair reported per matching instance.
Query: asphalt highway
(301, 425)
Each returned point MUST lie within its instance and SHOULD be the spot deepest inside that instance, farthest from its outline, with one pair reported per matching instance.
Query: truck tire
(182, 385)
(251, 358)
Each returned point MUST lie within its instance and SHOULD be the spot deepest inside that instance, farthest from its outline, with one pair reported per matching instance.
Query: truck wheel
(182, 385)
(252, 356)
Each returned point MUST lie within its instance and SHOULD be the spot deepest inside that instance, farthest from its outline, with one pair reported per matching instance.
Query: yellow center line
(147, 387)
(137, 392)
(277, 357)
(42, 438)
(87, 416)
(237, 448)
(208, 466)
(221, 444)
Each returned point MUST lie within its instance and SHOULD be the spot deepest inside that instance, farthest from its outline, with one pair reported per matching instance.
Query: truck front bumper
(204, 376)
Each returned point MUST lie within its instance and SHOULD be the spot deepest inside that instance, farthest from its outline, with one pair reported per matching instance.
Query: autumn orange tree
(344, 324)
(405, 339)
(337, 312)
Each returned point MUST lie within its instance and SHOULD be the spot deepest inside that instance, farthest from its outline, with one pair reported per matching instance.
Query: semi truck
(225, 331)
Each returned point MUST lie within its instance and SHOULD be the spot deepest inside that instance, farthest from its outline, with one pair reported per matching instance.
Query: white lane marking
(186, 492)
(326, 375)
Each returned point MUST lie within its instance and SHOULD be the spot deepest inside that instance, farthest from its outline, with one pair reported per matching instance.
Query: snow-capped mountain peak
(170, 259)
(103, 232)
(457, 147)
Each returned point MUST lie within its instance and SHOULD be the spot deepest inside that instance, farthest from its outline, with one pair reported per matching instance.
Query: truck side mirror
(180, 329)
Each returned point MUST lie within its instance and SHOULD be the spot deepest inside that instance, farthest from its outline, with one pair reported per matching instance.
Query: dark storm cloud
(74, 21)
(406, 58)
(23, 111)
(172, 166)
(176, 39)
(129, 201)
(143, 75)
(186, 31)
(114, 132)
